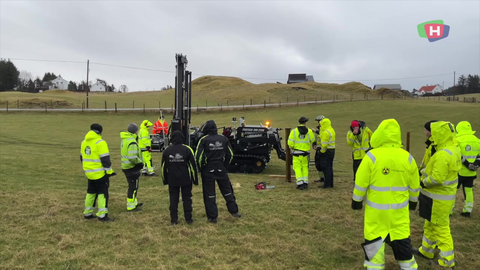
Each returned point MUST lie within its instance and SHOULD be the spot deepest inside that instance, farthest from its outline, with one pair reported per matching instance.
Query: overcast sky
(260, 41)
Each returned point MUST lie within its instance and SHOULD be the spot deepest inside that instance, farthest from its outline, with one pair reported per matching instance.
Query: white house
(58, 83)
(432, 89)
(97, 87)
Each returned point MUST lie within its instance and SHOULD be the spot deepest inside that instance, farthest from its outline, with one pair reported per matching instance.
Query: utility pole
(88, 88)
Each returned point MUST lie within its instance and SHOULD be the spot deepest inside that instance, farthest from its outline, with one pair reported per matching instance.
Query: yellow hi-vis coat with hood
(144, 137)
(440, 177)
(327, 136)
(469, 146)
(359, 143)
(388, 177)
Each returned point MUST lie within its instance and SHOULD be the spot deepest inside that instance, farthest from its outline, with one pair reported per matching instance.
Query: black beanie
(97, 128)
(427, 125)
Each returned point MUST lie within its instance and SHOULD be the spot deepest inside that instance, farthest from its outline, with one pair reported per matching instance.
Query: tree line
(13, 79)
(465, 85)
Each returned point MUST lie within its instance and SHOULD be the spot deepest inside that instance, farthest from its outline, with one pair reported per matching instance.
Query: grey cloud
(331, 40)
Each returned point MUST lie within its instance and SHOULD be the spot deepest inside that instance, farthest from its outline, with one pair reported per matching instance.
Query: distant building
(389, 86)
(430, 89)
(58, 83)
(97, 87)
(299, 78)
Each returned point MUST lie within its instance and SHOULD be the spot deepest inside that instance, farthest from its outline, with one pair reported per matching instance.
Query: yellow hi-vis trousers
(378, 262)
(147, 161)
(300, 166)
(435, 235)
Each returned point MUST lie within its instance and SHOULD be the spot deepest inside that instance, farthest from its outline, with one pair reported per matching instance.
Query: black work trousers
(133, 180)
(356, 164)
(326, 163)
(174, 192)
(209, 177)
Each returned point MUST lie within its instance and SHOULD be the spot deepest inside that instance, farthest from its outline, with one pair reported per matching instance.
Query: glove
(112, 174)
(473, 167)
(357, 205)
(412, 205)
(149, 149)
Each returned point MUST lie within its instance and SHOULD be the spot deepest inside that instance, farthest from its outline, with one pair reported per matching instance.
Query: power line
(138, 68)
(44, 60)
(246, 78)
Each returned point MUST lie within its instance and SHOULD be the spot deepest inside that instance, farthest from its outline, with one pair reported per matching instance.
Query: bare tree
(123, 89)
(23, 78)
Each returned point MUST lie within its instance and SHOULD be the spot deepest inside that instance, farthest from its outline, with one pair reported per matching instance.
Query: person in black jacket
(178, 172)
(213, 156)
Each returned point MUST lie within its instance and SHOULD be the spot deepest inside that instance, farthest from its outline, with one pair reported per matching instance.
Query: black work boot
(417, 252)
(465, 214)
(212, 220)
(305, 185)
(190, 221)
(174, 222)
(300, 187)
(89, 217)
(106, 219)
(237, 215)
(139, 204)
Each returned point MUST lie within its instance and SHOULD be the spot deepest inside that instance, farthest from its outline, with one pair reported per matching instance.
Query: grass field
(44, 189)
(207, 91)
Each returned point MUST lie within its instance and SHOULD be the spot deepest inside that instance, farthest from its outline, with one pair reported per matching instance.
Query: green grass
(44, 188)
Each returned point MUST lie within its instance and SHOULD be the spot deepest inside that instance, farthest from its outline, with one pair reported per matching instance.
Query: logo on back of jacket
(386, 171)
(88, 151)
(215, 146)
(175, 158)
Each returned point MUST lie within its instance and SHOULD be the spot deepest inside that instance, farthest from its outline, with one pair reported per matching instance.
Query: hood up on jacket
(443, 134)
(387, 134)
(146, 124)
(325, 123)
(464, 128)
(177, 137)
(210, 128)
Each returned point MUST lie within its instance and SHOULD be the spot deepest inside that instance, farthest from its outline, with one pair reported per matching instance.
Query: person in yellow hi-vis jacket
(358, 138)
(327, 151)
(98, 168)
(470, 147)
(437, 195)
(300, 141)
(145, 144)
(431, 149)
(387, 180)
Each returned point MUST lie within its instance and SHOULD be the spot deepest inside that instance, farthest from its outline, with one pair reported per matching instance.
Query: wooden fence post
(45, 104)
(7, 105)
(133, 104)
(251, 102)
(297, 101)
(288, 159)
(105, 105)
(408, 141)
(115, 107)
(18, 104)
(264, 104)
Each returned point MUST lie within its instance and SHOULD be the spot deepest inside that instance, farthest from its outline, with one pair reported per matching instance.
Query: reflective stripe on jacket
(387, 180)
(93, 148)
